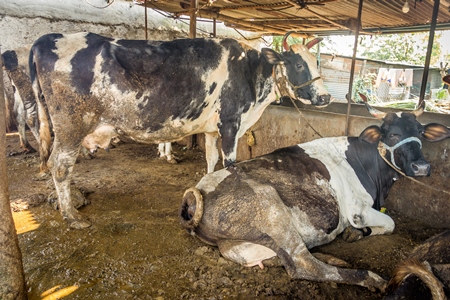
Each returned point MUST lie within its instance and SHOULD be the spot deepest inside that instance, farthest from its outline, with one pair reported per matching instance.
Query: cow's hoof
(331, 260)
(78, 198)
(79, 223)
(29, 150)
(172, 160)
(352, 234)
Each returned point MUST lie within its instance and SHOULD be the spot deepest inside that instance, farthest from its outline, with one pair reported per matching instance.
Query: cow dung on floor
(136, 249)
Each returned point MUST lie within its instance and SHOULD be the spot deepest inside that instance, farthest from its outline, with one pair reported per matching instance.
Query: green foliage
(442, 94)
(406, 48)
(363, 85)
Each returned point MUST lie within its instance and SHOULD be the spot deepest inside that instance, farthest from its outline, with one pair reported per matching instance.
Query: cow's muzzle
(420, 168)
(322, 100)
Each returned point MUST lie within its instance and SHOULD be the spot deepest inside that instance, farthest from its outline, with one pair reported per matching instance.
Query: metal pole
(429, 49)
(352, 70)
(146, 31)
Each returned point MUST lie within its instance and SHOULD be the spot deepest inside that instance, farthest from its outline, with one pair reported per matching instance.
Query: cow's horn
(311, 43)
(419, 110)
(374, 112)
(285, 44)
(191, 210)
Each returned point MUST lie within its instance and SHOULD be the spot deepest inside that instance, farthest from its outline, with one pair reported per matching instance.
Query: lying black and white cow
(425, 274)
(159, 93)
(295, 198)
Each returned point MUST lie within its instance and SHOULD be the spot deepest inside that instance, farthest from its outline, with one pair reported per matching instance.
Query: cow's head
(296, 74)
(399, 139)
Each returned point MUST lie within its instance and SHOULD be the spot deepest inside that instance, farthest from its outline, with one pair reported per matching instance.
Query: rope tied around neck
(280, 84)
(283, 80)
(382, 147)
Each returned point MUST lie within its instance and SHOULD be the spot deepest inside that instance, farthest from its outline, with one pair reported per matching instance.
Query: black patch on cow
(10, 60)
(370, 169)
(171, 74)
(243, 89)
(212, 88)
(43, 49)
(293, 174)
(298, 73)
(83, 63)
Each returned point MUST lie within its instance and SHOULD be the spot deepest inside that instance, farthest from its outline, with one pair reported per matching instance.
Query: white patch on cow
(245, 253)
(242, 56)
(66, 48)
(88, 117)
(353, 198)
(209, 182)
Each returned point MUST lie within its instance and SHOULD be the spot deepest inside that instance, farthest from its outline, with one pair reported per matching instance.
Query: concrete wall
(427, 200)
(23, 21)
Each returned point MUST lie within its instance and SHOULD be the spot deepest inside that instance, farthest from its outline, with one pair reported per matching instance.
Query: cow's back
(152, 92)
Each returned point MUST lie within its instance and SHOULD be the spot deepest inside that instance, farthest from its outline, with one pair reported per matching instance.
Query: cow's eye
(299, 66)
(421, 132)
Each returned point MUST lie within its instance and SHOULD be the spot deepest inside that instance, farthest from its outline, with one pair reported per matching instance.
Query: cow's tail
(191, 210)
(421, 270)
(45, 136)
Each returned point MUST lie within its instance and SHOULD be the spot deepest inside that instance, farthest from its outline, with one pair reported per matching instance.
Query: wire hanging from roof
(100, 7)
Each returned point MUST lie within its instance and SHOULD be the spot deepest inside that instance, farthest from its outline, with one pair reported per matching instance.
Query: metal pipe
(352, 70)
(429, 50)
(146, 31)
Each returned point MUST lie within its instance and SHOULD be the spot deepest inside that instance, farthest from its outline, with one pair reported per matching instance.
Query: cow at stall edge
(20, 100)
(295, 198)
(425, 274)
(159, 93)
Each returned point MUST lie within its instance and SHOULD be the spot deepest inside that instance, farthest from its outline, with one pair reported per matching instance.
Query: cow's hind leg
(165, 152)
(301, 264)
(61, 162)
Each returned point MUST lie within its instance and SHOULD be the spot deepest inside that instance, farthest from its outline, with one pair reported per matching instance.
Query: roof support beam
(352, 70)
(429, 50)
(193, 19)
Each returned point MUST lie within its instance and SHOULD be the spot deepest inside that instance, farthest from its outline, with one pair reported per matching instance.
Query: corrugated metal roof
(318, 17)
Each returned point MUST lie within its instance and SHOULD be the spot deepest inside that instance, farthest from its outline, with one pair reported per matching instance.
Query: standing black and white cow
(159, 93)
(295, 198)
(22, 107)
(19, 96)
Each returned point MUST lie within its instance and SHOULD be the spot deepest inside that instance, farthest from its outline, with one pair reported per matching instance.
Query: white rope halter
(382, 147)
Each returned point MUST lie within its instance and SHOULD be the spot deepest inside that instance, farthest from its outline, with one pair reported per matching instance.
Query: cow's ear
(446, 79)
(435, 132)
(271, 56)
(371, 134)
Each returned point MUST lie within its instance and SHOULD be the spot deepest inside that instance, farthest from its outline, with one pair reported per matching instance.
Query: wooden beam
(193, 19)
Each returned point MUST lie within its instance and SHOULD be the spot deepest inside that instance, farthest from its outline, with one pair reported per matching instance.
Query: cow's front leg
(61, 164)
(372, 222)
(230, 139)
(211, 151)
